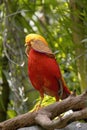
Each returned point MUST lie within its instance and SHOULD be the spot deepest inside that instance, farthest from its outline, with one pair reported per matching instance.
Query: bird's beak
(25, 44)
(27, 49)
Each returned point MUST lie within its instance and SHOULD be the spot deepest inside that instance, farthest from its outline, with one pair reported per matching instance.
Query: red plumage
(44, 73)
(43, 70)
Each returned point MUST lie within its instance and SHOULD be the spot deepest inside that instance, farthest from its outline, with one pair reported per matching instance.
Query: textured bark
(45, 116)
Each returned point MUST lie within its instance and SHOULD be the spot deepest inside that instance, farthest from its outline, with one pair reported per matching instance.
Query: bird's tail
(66, 91)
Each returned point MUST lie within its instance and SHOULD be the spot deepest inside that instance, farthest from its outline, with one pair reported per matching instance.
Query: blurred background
(63, 23)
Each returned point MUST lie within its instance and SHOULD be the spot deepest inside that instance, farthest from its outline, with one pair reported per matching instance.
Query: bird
(43, 69)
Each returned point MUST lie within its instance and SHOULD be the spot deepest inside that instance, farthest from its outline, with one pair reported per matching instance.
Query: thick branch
(45, 116)
(61, 122)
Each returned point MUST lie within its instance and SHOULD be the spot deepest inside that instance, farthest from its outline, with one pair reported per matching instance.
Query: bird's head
(31, 40)
(33, 37)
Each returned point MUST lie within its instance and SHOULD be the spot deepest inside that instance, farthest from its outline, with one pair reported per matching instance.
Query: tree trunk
(4, 96)
(78, 33)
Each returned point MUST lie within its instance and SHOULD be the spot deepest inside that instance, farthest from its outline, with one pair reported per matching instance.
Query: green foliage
(11, 113)
(51, 19)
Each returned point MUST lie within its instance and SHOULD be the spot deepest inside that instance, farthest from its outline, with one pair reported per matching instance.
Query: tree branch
(45, 116)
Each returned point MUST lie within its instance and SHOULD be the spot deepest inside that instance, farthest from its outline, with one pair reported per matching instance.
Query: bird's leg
(42, 97)
(41, 100)
(38, 106)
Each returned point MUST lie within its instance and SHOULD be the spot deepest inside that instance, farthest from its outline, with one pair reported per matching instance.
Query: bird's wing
(41, 47)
